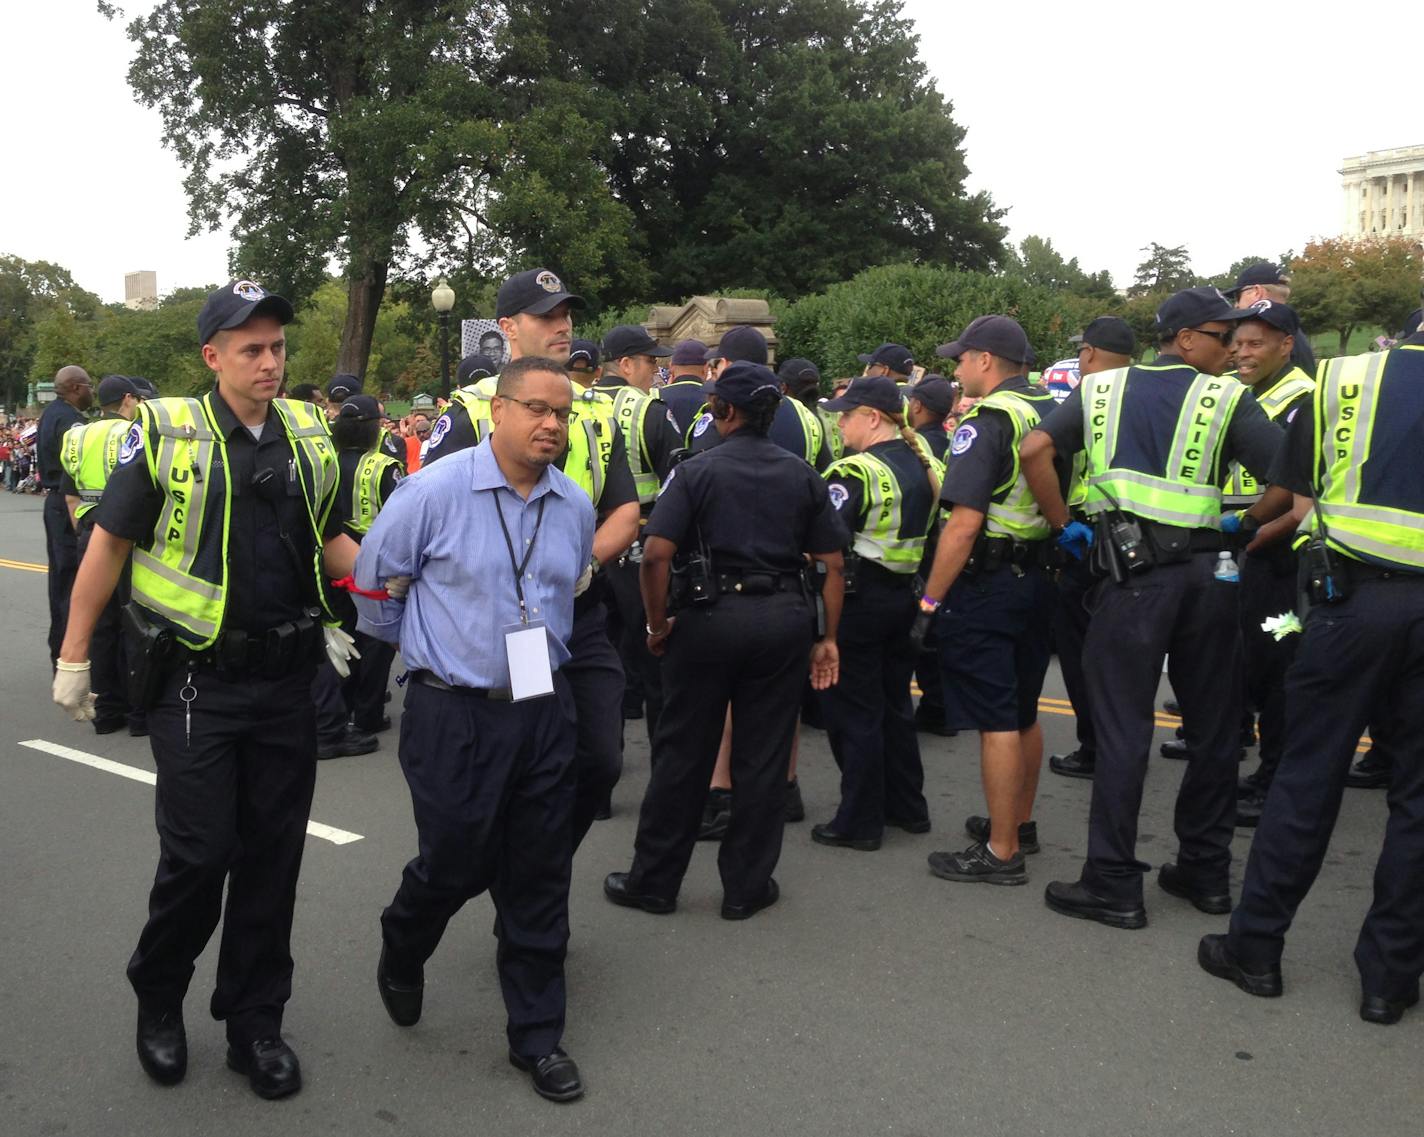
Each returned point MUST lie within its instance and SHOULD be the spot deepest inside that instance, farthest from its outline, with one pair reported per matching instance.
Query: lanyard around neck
(517, 565)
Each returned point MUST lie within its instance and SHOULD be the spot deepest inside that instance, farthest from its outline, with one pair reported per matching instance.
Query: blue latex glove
(1076, 538)
(1231, 522)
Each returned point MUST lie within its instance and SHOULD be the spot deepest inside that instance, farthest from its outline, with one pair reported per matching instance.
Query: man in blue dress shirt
(491, 539)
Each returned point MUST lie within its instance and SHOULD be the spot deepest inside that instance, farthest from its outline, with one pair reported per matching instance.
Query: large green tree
(1036, 261)
(1166, 269)
(40, 305)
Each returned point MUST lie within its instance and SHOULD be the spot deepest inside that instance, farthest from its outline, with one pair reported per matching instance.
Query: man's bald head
(73, 385)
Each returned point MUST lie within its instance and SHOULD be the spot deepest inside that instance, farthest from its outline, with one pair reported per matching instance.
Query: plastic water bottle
(1226, 568)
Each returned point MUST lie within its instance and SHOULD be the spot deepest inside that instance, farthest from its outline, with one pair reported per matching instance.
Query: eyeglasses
(542, 410)
(1223, 338)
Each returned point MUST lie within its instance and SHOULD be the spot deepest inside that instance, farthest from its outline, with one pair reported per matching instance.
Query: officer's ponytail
(916, 443)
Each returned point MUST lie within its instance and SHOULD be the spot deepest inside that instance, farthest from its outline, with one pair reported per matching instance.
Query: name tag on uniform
(527, 648)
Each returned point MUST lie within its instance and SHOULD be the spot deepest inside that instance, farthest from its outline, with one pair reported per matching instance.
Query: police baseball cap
(143, 387)
(878, 391)
(1257, 274)
(688, 353)
(742, 382)
(113, 388)
(342, 387)
(742, 343)
(998, 335)
(1110, 334)
(1280, 316)
(360, 408)
(536, 291)
(935, 392)
(1194, 306)
(895, 356)
(585, 352)
(632, 339)
(798, 374)
(474, 367)
(235, 303)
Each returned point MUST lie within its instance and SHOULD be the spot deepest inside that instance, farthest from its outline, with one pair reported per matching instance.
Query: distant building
(1384, 193)
(141, 289)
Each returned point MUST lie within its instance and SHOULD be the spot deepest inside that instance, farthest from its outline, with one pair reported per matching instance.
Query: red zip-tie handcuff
(348, 584)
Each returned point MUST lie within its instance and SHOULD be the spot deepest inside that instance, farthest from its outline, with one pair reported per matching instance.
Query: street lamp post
(442, 298)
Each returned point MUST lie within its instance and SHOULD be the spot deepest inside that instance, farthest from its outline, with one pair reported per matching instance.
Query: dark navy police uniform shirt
(937, 437)
(847, 492)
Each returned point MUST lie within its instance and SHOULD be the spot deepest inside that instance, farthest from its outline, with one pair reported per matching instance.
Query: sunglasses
(1223, 338)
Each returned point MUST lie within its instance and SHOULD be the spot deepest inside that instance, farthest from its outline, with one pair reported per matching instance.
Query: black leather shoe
(555, 1075)
(1369, 773)
(373, 728)
(1173, 880)
(403, 999)
(1172, 707)
(615, 887)
(910, 825)
(1216, 957)
(1176, 748)
(138, 728)
(978, 828)
(1073, 765)
(162, 1046)
(271, 1067)
(348, 744)
(1248, 811)
(109, 726)
(732, 911)
(1378, 1009)
(1254, 784)
(825, 835)
(795, 805)
(1071, 898)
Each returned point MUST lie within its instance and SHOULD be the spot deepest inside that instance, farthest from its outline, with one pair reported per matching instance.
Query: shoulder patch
(699, 428)
(667, 481)
(672, 422)
(1290, 415)
(439, 431)
(839, 495)
(963, 439)
(131, 445)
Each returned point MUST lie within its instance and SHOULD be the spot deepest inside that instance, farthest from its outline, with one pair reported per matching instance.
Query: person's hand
(825, 665)
(658, 641)
(581, 585)
(397, 587)
(71, 690)
(919, 630)
(1231, 522)
(340, 649)
(1074, 535)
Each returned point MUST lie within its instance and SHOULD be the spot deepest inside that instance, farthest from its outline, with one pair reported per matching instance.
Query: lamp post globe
(442, 299)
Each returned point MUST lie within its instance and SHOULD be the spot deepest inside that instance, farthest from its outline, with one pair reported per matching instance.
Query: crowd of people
(17, 455)
(596, 533)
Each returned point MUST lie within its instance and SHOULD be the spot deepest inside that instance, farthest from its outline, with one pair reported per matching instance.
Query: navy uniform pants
(62, 553)
(1182, 612)
(492, 787)
(233, 796)
(869, 716)
(750, 653)
(1074, 584)
(595, 675)
(1352, 654)
(1268, 588)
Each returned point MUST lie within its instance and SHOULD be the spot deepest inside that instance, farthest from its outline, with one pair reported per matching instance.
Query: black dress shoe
(373, 728)
(403, 998)
(1254, 784)
(138, 728)
(1369, 773)
(1176, 748)
(1215, 956)
(109, 726)
(1072, 898)
(825, 835)
(1172, 707)
(1248, 811)
(732, 911)
(910, 825)
(1173, 880)
(795, 805)
(615, 887)
(978, 828)
(271, 1067)
(1378, 1009)
(348, 744)
(1074, 765)
(555, 1075)
(162, 1046)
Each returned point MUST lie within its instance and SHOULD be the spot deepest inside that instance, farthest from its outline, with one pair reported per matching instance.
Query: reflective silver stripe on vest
(1177, 458)
(1364, 416)
(198, 453)
(595, 459)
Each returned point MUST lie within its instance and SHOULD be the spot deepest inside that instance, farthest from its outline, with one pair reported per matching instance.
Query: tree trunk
(1345, 333)
(365, 287)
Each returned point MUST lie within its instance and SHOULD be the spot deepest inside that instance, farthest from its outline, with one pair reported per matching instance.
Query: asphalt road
(873, 999)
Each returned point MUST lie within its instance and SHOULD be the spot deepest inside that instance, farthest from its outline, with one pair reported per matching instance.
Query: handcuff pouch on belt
(693, 580)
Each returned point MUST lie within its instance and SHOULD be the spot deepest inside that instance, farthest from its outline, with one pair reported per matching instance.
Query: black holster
(148, 649)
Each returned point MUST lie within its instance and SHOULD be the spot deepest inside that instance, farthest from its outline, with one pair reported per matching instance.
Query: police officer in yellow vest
(1159, 438)
(226, 503)
(87, 455)
(1353, 460)
(801, 380)
(650, 439)
(887, 493)
(534, 314)
(990, 599)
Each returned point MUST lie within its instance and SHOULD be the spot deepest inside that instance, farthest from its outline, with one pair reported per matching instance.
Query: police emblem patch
(439, 431)
(699, 428)
(667, 481)
(963, 439)
(249, 290)
(1290, 418)
(839, 495)
(549, 282)
(131, 445)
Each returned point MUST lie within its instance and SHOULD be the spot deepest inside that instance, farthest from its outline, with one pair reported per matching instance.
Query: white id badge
(527, 648)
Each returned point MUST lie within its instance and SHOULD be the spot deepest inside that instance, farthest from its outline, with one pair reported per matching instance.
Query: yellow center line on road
(23, 566)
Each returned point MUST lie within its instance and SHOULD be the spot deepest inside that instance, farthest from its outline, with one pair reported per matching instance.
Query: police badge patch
(549, 282)
(439, 431)
(839, 495)
(131, 445)
(963, 439)
(699, 428)
(249, 290)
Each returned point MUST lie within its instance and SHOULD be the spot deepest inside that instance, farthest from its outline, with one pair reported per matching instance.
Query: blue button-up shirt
(440, 528)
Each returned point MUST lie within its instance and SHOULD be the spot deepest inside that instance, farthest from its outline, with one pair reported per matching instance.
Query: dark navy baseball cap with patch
(1195, 306)
(235, 303)
(741, 382)
(536, 291)
(583, 351)
(1257, 274)
(473, 368)
(935, 392)
(877, 391)
(998, 335)
(343, 386)
(1280, 316)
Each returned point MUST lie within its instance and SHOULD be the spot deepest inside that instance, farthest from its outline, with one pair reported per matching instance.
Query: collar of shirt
(1168, 359)
(485, 474)
(1015, 383)
(228, 422)
(611, 382)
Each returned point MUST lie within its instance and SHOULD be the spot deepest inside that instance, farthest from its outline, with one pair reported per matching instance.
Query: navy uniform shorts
(994, 645)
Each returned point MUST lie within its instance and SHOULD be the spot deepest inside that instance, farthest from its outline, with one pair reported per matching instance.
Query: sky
(1100, 125)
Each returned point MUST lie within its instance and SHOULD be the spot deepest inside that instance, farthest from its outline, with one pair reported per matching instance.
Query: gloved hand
(71, 690)
(397, 587)
(339, 649)
(1231, 522)
(581, 585)
(919, 630)
(1074, 535)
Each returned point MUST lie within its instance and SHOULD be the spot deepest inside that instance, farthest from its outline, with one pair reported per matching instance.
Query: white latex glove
(339, 648)
(397, 586)
(71, 690)
(581, 585)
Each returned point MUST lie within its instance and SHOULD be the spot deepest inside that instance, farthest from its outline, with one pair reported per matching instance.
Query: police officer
(1159, 438)
(73, 395)
(1352, 458)
(534, 315)
(89, 453)
(747, 513)
(988, 597)
(893, 360)
(1262, 281)
(887, 494)
(683, 392)
(801, 380)
(1105, 344)
(227, 505)
(583, 362)
(650, 439)
(930, 401)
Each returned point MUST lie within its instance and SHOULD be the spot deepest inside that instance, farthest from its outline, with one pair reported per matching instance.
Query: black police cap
(1194, 306)
(878, 391)
(1259, 273)
(632, 339)
(235, 303)
(536, 291)
(742, 382)
(1280, 316)
(474, 367)
(1110, 334)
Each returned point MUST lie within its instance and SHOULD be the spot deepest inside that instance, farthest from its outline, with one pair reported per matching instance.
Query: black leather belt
(750, 583)
(430, 679)
(1364, 570)
(274, 653)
